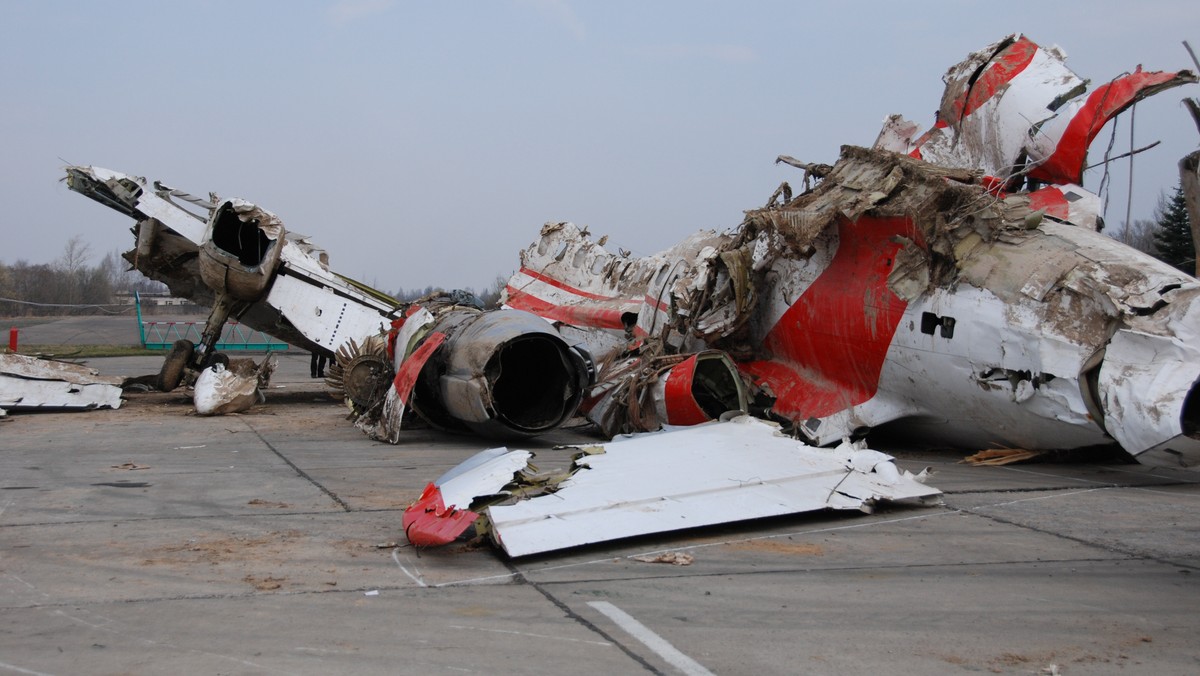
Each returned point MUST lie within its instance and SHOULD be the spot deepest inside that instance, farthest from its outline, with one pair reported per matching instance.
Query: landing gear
(186, 355)
(174, 365)
(222, 308)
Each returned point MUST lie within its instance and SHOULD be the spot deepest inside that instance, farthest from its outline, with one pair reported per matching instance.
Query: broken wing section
(27, 383)
(437, 519)
(682, 478)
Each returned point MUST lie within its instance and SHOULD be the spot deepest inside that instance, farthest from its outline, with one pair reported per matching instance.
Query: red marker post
(12, 339)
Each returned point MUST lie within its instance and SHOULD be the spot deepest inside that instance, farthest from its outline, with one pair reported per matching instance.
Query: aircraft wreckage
(953, 282)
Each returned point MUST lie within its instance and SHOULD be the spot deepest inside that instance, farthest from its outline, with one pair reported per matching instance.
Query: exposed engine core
(503, 374)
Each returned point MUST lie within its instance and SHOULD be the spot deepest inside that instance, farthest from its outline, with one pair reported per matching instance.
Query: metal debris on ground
(28, 383)
(1001, 456)
(674, 558)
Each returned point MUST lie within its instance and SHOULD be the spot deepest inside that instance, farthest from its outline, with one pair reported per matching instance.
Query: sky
(425, 143)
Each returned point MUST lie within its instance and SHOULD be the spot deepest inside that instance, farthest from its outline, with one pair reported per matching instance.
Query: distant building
(154, 302)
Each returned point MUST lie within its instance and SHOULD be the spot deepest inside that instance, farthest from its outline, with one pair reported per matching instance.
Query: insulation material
(221, 389)
(28, 383)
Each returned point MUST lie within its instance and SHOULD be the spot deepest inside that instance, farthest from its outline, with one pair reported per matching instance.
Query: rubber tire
(174, 365)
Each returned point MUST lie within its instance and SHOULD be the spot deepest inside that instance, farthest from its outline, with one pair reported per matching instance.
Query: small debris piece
(131, 466)
(267, 583)
(674, 558)
(264, 503)
(1001, 456)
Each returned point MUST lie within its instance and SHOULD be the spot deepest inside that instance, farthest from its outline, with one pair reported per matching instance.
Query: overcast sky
(424, 143)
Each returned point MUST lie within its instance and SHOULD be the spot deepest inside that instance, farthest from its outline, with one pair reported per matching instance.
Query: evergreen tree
(1173, 239)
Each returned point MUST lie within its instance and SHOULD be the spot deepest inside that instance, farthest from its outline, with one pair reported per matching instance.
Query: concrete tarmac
(121, 329)
(148, 540)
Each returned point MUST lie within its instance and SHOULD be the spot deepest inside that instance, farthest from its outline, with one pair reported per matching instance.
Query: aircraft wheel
(174, 365)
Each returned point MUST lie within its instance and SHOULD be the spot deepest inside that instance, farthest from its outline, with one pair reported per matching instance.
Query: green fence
(235, 337)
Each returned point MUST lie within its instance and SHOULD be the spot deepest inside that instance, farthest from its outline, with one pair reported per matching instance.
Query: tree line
(71, 285)
(488, 297)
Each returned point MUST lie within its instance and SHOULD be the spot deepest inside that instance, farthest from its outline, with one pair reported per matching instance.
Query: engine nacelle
(241, 250)
(504, 373)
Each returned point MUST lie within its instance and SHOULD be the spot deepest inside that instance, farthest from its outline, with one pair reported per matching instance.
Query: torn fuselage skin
(923, 291)
(891, 292)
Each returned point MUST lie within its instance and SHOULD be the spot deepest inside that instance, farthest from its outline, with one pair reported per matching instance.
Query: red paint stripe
(1052, 201)
(1001, 70)
(406, 375)
(1066, 164)
(681, 405)
(828, 348)
(916, 152)
(657, 304)
(395, 331)
(547, 279)
(428, 522)
(585, 316)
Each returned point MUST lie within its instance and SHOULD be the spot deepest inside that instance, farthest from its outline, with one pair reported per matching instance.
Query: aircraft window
(662, 275)
(930, 322)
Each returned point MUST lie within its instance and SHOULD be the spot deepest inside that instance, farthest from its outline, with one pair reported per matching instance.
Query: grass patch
(84, 351)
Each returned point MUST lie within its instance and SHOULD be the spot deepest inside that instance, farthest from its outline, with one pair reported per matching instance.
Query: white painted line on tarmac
(19, 670)
(415, 578)
(652, 640)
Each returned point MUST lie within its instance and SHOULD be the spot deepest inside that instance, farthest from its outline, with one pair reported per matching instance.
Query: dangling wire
(1129, 197)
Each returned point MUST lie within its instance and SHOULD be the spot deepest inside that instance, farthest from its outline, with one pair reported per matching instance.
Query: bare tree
(72, 266)
(1139, 235)
(491, 295)
(75, 255)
